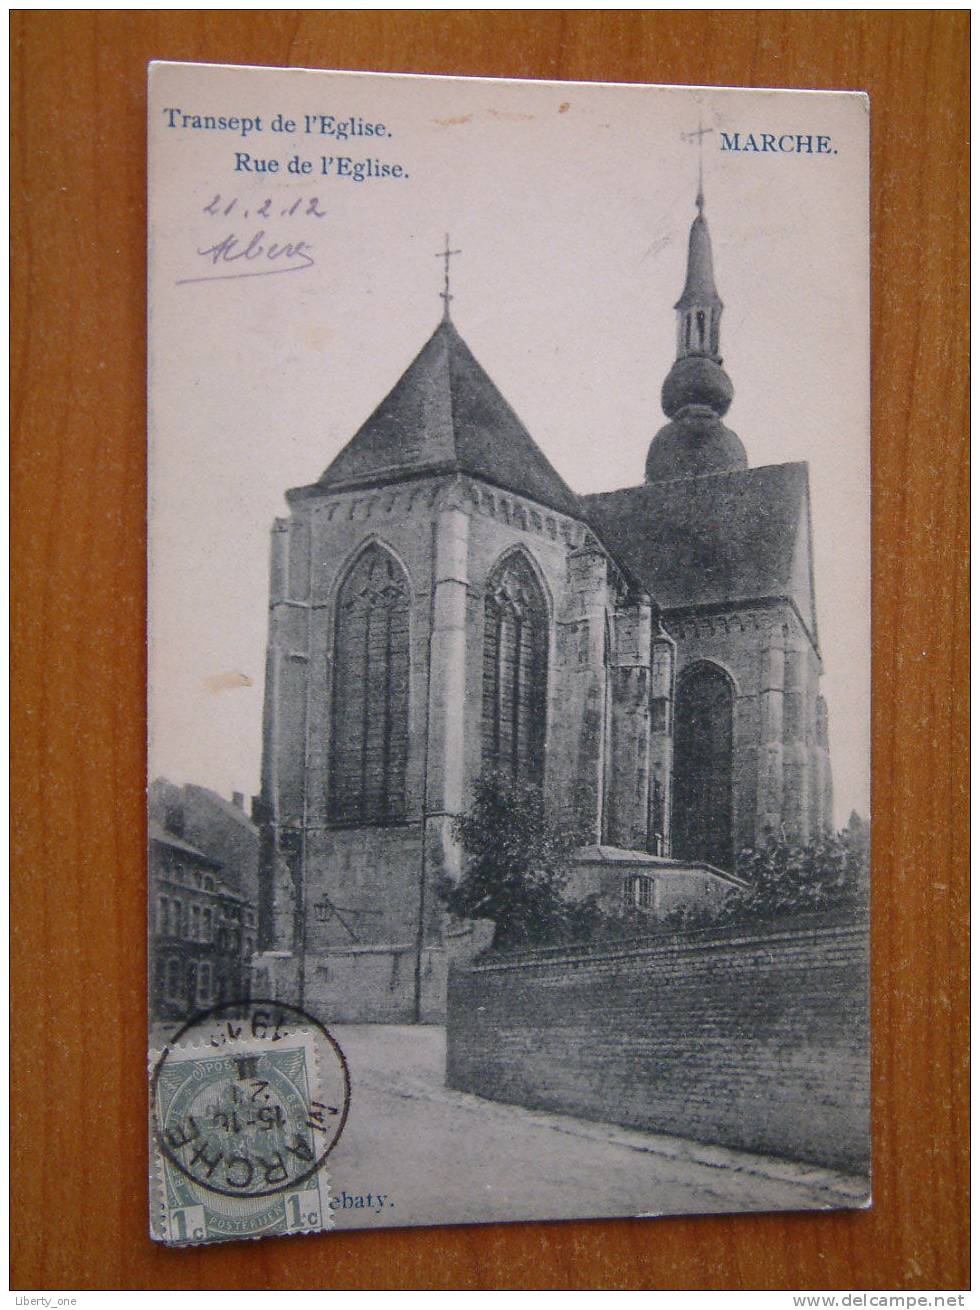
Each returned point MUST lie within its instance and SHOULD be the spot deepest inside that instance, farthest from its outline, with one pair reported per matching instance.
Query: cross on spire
(699, 136)
(446, 255)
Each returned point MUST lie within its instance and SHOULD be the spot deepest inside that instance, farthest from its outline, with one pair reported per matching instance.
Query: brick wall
(752, 1039)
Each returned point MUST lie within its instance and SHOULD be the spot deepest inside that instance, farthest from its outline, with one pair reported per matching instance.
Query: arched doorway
(704, 720)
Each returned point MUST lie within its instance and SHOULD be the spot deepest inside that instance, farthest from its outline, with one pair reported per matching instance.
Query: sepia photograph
(509, 651)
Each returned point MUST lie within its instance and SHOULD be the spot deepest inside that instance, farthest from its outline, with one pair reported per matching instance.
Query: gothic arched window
(515, 671)
(704, 718)
(370, 699)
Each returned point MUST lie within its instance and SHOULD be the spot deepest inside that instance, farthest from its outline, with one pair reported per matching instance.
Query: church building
(442, 602)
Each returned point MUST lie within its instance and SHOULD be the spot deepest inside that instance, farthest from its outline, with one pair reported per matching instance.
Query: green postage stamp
(247, 1102)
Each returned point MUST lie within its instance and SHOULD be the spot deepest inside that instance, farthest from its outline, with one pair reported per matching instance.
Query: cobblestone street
(415, 1152)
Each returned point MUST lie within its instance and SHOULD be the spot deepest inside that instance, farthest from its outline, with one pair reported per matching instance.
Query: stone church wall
(500, 523)
(366, 887)
(449, 535)
(753, 1039)
(376, 984)
(371, 873)
(740, 643)
(371, 876)
(780, 773)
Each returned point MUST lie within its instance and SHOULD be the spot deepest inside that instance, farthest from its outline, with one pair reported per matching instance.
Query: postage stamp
(247, 1101)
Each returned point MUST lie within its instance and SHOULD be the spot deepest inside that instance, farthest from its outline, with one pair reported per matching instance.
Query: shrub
(787, 878)
(516, 869)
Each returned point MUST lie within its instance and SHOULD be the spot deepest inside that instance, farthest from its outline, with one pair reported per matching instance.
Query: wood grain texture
(78, 1212)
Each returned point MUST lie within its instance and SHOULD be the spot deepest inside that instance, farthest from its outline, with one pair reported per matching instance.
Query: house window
(173, 979)
(204, 984)
(195, 933)
(208, 925)
(161, 915)
(174, 909)
(637, 892)
(208, 883)
(515, 671)
(370, 700)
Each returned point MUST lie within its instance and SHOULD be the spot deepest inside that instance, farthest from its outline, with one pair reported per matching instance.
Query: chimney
(174, 820)
(238, 799)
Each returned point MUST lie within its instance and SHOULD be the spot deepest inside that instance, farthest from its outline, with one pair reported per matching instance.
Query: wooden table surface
(78, 1204)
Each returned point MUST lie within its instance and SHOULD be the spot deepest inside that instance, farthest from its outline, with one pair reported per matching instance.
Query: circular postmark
(248, 1100)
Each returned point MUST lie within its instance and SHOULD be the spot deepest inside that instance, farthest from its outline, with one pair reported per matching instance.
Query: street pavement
(414, 1152)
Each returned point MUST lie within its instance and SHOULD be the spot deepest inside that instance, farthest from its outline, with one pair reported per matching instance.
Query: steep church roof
(445, 415)
(716, 539)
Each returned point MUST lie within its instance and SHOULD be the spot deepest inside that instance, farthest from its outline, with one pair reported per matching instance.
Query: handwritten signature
(237, 257)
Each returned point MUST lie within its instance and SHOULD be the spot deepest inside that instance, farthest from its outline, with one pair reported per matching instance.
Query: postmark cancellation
(247, 1100)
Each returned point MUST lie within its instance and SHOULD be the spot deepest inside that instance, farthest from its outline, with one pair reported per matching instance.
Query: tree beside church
(442, 605)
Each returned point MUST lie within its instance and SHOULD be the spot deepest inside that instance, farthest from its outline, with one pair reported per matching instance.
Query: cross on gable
(446, 255)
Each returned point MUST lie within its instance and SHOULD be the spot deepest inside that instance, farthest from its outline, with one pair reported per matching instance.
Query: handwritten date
(302, 207)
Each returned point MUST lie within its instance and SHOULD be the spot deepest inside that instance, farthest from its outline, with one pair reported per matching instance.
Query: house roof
(223, 805)
(444, 414)
(644, 864)
(159, 834)
(716, 539)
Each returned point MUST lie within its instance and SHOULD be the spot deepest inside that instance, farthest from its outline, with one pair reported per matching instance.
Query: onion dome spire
(697, 391)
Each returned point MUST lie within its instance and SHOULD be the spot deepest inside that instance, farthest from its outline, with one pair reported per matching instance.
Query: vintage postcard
(509, 651)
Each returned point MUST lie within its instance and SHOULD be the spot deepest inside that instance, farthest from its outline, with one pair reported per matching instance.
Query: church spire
(699, 308)
(697, 391)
